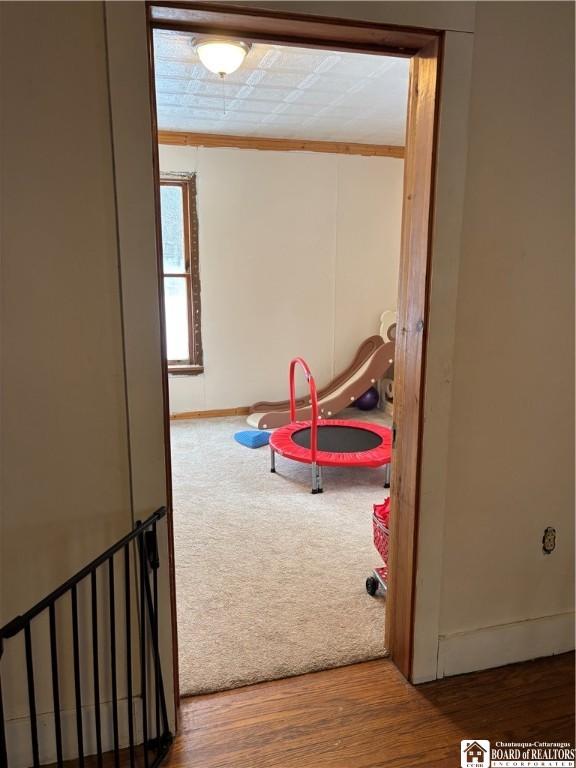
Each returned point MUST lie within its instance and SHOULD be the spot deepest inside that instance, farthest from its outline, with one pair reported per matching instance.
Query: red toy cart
(380, 522)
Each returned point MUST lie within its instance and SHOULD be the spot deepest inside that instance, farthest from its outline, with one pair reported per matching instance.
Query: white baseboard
(505, 644)
(19, 741)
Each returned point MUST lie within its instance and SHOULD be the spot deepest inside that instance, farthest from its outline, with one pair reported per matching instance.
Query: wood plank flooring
(368, 716)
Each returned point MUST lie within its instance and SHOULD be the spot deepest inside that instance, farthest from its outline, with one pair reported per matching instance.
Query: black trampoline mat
(339, 439)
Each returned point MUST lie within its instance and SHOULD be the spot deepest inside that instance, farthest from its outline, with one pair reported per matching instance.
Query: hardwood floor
(368, 716)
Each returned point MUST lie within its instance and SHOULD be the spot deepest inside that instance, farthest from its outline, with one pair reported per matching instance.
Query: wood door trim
(188, 139)
(409, 363)
(165, 393)
(261, 25)
(422, 45)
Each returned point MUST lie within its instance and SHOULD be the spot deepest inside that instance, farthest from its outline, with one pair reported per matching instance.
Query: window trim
(194, 365)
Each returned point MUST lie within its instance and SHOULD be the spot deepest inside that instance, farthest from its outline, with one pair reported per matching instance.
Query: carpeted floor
(270, 579)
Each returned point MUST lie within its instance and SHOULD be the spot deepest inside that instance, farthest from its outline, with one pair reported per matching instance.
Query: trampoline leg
(387, 473)
(272, 460)
(316, 479)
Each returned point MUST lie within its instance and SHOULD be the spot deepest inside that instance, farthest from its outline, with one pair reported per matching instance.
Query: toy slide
(371, 363)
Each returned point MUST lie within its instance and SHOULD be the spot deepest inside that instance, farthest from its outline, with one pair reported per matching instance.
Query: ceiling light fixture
(222, 56)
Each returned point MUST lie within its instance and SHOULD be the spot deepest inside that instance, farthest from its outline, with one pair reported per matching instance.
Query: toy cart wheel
(371, 585)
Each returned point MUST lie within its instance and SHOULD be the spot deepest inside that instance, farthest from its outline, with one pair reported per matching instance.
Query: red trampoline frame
(282, 442)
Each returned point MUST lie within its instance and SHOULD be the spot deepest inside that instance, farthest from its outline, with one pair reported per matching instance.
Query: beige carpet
(270, 579)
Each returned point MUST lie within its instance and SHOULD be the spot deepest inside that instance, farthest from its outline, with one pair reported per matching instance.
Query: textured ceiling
(283, 92)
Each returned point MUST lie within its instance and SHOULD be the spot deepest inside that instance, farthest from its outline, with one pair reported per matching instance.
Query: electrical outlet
(549, 540)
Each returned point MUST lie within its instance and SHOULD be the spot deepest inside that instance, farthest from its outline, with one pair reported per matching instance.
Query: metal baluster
(77, 688)
(95, 669)
(31, 695)
(156, 657)
(55, 685)
(129, 651)
(143, 645)
(3, 751)
(113, 661)
(155, 632)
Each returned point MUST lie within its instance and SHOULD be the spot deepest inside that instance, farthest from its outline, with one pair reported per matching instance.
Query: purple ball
(368, 400)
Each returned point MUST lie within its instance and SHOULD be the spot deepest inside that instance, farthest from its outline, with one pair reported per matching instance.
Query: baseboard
(505, 644)
(18, 733)
(214, 414)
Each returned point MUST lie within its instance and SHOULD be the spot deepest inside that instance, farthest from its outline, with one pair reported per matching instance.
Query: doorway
(423, 52)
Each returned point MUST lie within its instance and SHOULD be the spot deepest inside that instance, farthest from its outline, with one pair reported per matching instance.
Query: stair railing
(134, 561)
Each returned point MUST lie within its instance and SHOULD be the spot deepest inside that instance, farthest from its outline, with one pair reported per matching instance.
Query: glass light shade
(222, 57)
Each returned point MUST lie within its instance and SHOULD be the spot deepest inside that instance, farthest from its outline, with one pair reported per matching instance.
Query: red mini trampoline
(330, 443)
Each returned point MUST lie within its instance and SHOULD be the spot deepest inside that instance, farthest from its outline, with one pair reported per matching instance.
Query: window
(181, 275)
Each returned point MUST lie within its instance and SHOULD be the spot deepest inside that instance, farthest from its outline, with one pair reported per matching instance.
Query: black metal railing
(103, 655)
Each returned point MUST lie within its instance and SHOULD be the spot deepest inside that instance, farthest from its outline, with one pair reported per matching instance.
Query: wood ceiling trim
(187, 139)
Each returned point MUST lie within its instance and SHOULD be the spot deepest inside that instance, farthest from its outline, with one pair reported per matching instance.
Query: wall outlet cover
(549, 540)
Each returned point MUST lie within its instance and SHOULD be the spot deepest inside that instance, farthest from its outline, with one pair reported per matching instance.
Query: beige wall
(65, 484)
(454, 15)
(65, 470)
(511, 459)
(299, 255)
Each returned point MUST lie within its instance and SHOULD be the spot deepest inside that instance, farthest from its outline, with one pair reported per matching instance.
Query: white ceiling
(283, 92)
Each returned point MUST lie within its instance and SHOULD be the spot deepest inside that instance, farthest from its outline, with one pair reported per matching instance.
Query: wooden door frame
(424, 48)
